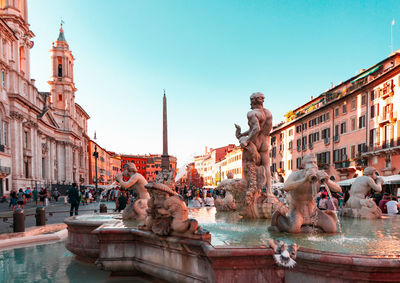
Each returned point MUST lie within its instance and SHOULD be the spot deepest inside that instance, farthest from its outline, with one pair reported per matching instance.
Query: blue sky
(209, 56)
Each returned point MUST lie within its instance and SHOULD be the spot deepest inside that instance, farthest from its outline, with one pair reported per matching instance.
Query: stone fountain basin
(81, 241)
(238, 252)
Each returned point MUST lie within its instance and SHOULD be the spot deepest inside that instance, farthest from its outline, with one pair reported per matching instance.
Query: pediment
(48, 118)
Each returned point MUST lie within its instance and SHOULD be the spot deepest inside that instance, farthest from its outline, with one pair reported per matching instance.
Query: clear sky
(209, 56)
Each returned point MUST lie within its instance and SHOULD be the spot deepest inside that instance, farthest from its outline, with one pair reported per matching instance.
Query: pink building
(349, 127)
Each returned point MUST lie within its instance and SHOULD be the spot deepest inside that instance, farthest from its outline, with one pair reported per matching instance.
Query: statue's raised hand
(118, 177)
(238, 133)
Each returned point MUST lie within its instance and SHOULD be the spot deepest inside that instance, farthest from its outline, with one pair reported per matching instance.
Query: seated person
(209, 200)
(382, 203)
(393, 207)
(197, 201)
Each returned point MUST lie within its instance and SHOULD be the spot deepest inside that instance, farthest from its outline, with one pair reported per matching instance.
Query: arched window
(59, 66)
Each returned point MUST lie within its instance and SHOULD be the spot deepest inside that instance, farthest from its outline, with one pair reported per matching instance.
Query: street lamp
(96, 156)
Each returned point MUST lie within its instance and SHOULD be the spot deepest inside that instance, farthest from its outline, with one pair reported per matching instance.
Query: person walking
(74, 199)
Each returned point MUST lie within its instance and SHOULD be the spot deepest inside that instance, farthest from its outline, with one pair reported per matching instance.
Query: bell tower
(61, 82)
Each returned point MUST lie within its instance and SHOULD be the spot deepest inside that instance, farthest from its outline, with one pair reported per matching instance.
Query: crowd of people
(197, 197)
(42, 196)
(388, 203)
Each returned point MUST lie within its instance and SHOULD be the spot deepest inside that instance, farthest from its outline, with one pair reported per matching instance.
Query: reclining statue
(304, 216)
(137, 208)
(357, 205)
(167, 214)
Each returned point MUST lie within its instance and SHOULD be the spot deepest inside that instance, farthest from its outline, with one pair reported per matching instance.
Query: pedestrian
(74, 199)
(28, 194)
(121, 201)
(56, 194)
(21, 199)
(42, 197)
(35, 195)
(13, 202)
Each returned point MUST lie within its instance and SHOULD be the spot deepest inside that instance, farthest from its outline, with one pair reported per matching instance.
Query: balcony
(342, 164)
(336, 138)
(304, 147)
(389, 117)
(376, 149)
(4, 171)
(326, 141)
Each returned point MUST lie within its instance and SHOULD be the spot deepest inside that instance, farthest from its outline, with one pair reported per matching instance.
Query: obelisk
(164, 156)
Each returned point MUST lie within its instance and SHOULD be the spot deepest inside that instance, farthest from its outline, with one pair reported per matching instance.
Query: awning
(363, 75)
(389, 180)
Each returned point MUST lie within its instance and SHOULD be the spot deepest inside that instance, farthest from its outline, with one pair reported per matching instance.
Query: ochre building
(353, 125)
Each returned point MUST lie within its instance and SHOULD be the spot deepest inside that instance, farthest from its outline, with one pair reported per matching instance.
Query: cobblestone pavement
(59, 211)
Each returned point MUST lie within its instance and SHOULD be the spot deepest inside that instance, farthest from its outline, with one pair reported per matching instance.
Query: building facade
(43, 135)
(153, 166)
(140, 162)
(108, 164)
(353, 125)
(214, 165)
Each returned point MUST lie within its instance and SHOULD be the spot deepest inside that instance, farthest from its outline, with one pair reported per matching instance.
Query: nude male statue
(255, 141)
(303, 209)
(137, 182)
(359, 205)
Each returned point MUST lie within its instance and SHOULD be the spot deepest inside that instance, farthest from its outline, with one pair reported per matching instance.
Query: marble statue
(136, 209)
(227, 203)
(357, 205)
(304, 216)
(167, 214)
(250, 200)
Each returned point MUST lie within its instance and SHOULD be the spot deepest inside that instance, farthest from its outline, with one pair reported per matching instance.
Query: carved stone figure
(304, 216)
(284, 254)
(357, 205)
(167, 214)
(250, 200)
(226, 203)
(255, 144)
(136, 182)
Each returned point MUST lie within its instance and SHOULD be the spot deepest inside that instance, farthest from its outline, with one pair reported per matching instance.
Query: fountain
(237, 246)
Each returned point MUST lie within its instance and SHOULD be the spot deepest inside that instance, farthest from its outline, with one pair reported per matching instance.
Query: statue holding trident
(255, 162)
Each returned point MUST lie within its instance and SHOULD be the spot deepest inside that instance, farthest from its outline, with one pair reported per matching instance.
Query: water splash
(314, 216)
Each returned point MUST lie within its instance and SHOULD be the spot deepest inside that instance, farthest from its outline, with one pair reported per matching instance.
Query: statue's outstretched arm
(333, 186)
(133, 180)
(293, 183)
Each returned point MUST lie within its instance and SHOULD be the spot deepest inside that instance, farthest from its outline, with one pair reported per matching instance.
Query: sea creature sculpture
(285, 254)
(167, 214)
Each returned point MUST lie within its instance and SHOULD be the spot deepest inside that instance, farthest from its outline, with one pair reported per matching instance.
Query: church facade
(43, 135)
